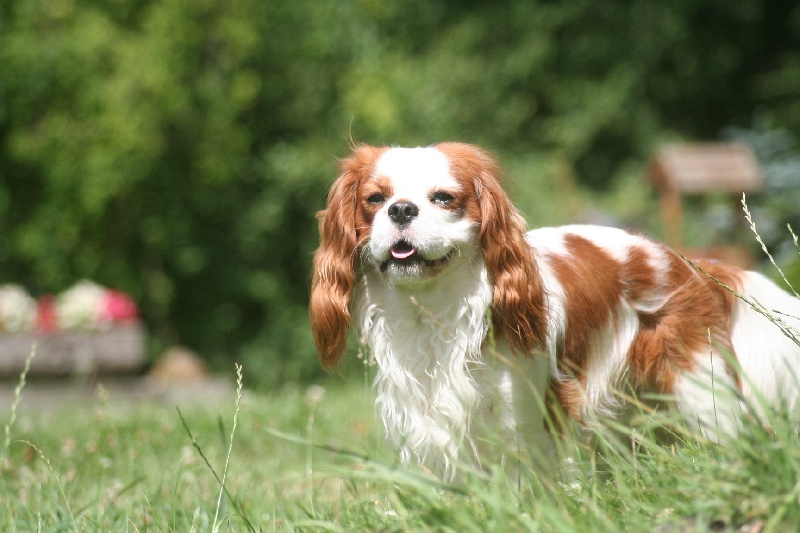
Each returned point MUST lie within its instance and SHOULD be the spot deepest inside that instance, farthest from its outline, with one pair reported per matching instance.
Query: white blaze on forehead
(435, 231)
(415, 171)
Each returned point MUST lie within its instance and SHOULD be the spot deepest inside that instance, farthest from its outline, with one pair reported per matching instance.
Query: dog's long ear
(518, 303)
(336, 259)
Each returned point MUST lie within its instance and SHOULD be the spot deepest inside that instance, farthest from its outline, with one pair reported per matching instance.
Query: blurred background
(178, 149)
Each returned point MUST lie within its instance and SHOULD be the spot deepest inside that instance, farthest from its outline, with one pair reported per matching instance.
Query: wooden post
(672, 218)
(679, 170)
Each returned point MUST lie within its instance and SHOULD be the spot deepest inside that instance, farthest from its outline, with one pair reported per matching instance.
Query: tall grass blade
(752, 223)
(15, 404)
(230, 446)
(221, 480)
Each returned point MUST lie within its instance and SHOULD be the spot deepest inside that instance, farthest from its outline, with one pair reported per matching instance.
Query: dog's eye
(376, 198)
(442, 198)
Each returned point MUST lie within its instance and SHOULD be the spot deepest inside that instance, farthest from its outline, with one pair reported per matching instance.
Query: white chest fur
(427, 344)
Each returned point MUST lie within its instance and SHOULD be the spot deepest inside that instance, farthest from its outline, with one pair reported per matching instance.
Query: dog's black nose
(403, 212)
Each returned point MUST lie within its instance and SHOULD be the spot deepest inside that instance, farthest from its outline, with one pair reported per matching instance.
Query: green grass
(314, 459)
(108, 465)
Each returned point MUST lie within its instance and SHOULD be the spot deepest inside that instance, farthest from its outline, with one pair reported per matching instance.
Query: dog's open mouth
(405, 255)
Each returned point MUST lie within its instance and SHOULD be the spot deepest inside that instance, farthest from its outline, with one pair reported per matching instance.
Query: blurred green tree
(178, 149)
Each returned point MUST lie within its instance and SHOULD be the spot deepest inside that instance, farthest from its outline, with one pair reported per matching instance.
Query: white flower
(81, 306)
(17, 309)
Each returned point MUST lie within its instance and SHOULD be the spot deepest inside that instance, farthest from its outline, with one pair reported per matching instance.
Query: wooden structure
(694, 169)
(116, 350)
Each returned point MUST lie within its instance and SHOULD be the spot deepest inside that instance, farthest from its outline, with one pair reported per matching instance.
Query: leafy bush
(178, 149)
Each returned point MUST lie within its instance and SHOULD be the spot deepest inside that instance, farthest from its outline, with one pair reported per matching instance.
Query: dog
(473, 321)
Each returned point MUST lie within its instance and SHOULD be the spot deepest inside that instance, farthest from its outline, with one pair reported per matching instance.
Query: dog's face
(417, 216)
(413, 214)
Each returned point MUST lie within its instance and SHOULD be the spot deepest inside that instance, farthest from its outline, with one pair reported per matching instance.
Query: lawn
(313, 458)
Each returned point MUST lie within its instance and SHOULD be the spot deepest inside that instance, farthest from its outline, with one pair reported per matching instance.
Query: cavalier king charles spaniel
(473, 321)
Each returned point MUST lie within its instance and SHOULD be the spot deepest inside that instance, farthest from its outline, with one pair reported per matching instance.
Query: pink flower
(118, 307)
(46, 321)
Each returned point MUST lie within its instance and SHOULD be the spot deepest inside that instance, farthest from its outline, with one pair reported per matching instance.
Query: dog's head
(411, 213)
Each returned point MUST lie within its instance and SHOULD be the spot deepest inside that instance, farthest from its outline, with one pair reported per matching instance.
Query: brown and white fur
(424, 254)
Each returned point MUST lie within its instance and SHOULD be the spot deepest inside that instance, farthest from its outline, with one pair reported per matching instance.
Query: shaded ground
(41, 394)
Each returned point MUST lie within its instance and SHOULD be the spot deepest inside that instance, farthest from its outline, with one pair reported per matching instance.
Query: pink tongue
(403, 253)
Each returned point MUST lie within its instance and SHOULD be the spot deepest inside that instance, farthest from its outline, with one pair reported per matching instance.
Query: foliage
(778, 152)
(178, 149)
